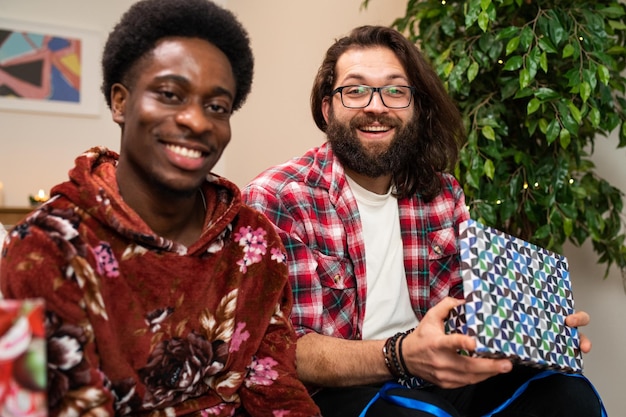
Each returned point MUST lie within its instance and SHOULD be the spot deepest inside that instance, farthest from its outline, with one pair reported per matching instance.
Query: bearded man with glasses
(370, 223)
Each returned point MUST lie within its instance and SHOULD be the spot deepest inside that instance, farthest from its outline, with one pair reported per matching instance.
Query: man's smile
(184, 151)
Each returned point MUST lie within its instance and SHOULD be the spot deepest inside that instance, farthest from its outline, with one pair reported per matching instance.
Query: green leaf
(545, 93)
(616, 25)
(507, 33)
(553, 131)
(603, 74)
(589, 76)
(489, 168)
(543, 62)
(542, 232)
(474, 173)
(456, 78)
(546, 45)
(566, 118)
(524, 78)
(585, 91)
(472, 11)
(557, 33)
(483, 21)
(489, 133)
(614, 12)
(509, 87)
(526, 37)
(472, 71)
(532, 62)
(513, 63)
(574, 111)
(533, 106)
(567, 51)
(512, 45)
(565, 138)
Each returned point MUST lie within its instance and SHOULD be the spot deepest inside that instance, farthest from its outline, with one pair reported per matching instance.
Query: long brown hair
(440, 126)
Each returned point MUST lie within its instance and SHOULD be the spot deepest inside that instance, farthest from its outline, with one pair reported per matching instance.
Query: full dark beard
(373, 161)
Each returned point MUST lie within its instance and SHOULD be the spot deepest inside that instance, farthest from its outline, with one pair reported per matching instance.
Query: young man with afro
(165, 295)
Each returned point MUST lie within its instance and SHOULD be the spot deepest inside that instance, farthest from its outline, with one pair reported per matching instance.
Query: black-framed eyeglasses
(360, 96)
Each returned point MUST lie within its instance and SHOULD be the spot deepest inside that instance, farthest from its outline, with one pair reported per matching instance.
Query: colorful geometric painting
(39, 66)
(517, 296)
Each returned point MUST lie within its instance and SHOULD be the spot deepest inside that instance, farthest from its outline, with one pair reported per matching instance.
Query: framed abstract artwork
(50, 69)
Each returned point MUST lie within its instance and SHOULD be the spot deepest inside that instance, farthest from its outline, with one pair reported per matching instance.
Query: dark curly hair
(148, 21)
(440, 125)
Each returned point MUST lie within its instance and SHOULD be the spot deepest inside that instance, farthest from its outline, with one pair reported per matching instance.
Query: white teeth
(186, 152)
(376, 128)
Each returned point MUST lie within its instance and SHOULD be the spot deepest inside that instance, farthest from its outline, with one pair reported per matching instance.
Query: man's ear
(326, 108)
(119, 96)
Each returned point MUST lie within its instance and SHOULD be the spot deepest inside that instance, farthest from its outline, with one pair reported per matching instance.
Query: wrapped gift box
(517, 297)
(22, 358)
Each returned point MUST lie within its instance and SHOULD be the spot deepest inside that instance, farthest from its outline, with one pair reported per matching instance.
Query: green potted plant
(537, 83)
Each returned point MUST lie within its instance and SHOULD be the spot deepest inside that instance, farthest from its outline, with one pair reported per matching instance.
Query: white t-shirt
(388, 306)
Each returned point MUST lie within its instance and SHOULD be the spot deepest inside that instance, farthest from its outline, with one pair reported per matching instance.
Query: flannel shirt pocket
(335, 273)
(442, 244)
(443, 256)
(339, 295)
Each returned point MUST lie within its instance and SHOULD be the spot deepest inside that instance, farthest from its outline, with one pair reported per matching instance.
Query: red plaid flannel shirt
(314, 210)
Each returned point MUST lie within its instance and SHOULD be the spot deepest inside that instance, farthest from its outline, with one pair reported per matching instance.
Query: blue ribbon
(411, 403)
(543, 374)
(414, 404)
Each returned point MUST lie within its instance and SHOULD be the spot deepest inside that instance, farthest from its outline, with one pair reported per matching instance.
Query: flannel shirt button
(437, 249)
(337, 278)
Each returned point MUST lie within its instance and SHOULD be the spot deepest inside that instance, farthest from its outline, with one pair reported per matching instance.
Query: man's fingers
(463, 370)
(457, 341)
(579, 318)
(585, 343)
(441, 311)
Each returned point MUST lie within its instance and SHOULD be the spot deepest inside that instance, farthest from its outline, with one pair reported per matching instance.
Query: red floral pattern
(138, 324)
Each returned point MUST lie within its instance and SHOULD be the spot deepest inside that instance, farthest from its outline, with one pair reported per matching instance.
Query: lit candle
(41, 196)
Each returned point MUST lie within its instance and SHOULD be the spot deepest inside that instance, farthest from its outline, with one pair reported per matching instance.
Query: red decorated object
(22, 358)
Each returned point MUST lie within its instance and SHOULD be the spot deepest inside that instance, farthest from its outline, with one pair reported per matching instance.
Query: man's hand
(431, 354)
(579, 319)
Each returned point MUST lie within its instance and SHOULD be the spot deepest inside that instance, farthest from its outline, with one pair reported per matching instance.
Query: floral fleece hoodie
(140, 325)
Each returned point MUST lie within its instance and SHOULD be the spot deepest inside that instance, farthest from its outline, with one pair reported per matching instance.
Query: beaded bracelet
(401, 356)
(392, 354)
(389, 355)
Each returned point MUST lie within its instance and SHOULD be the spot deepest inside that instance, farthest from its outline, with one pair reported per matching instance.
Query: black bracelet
(389, 354)
(394, 356)
(405, 370)
(394, 359)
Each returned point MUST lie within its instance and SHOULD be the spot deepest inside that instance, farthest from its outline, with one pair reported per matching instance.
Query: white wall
(289, 38)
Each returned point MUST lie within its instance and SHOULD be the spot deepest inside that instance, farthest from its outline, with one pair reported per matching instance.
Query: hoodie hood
(92, 187)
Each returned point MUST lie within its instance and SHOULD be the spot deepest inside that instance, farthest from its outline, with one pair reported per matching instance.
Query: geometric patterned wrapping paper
(517, 296)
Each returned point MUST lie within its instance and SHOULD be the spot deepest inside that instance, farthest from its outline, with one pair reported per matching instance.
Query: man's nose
(194, 116)
(376, 103)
